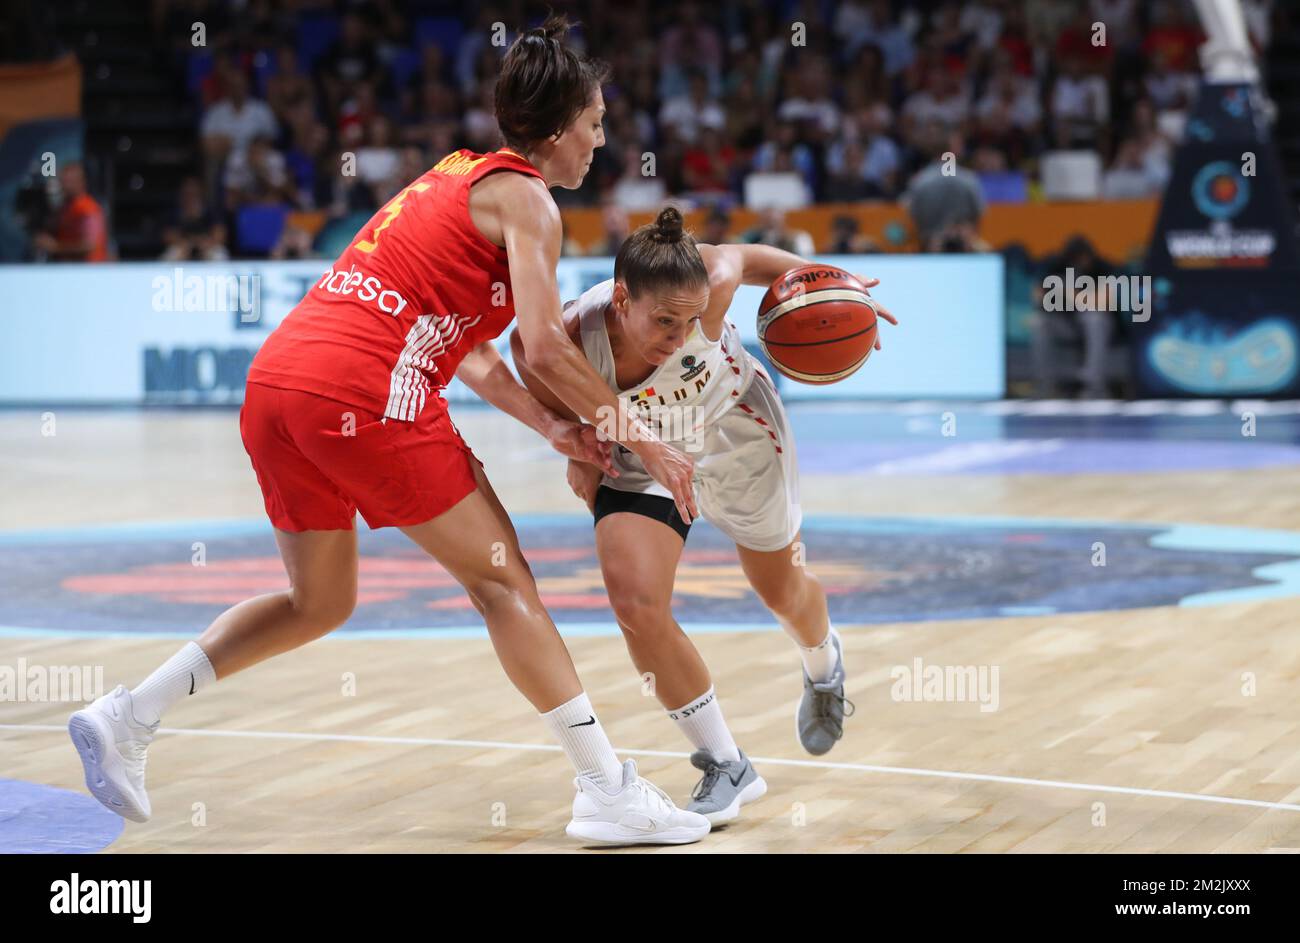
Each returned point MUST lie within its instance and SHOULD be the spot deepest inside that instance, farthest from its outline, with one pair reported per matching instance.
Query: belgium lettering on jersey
(644, 397)
(456, 164)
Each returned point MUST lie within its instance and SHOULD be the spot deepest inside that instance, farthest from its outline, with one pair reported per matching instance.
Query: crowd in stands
(311, 111)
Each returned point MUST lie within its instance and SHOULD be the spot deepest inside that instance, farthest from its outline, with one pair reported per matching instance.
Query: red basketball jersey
(418, 288)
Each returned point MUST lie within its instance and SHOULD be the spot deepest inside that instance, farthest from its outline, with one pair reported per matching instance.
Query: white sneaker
(112, 747)
(640, 813)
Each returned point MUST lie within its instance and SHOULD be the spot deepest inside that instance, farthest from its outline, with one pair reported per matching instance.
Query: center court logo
(76, 896)
(957, 683)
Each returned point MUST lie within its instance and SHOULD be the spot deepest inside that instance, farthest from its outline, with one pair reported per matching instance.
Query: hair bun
(669, 224)
(556, 27)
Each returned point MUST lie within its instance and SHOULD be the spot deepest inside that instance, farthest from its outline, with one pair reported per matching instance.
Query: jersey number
(393, 208)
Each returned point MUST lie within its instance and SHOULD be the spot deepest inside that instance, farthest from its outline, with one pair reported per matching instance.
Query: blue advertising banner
(157, 333)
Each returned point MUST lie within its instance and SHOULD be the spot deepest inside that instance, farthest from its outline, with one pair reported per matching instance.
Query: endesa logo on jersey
(367, 288)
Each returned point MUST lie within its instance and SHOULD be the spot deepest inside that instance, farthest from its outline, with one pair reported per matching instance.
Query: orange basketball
(817, 324)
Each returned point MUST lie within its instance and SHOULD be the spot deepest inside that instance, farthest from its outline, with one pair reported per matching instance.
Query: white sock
(574, 724)
(185, 673)
(820, 660)
(702, 722)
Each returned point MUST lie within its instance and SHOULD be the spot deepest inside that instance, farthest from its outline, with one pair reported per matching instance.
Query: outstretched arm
(484, 372)
(530, 224)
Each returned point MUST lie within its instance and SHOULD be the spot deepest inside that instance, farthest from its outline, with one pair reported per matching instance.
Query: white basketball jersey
(691, 389)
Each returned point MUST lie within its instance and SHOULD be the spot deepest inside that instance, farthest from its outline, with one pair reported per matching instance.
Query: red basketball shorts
(319, 461)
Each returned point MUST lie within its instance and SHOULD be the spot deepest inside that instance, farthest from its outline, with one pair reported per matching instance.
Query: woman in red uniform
(343, 412)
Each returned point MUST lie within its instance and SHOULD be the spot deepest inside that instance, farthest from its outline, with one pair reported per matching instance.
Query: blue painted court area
(129, 580)
(37, 819)
(1012, 439)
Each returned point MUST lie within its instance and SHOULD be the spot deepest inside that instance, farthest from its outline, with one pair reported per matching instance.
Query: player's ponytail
(544, 84)
(660, 255)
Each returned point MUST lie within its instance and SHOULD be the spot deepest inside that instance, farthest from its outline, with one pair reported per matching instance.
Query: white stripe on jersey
(430, 335)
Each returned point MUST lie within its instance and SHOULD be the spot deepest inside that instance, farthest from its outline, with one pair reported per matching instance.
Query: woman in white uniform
(657, 332)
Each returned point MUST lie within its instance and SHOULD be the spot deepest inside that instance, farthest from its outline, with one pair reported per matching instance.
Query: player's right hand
(674, 470)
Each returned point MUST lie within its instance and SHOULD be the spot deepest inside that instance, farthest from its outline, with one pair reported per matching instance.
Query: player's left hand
(881, 310)
(578, 440)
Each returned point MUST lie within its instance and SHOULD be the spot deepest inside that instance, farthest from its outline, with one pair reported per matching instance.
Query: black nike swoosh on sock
(191, 682)
(585, 723)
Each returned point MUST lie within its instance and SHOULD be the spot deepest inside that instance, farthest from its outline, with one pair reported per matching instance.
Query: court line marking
(760, 760)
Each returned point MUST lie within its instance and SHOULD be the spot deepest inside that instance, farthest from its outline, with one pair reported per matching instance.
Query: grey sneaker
(725, 787)
(820, 720)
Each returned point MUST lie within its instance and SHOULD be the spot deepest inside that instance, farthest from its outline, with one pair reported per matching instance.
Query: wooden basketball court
(1169, 728)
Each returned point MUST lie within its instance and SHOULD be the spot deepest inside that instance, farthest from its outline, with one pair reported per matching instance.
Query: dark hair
(544, 84)
(660, 255)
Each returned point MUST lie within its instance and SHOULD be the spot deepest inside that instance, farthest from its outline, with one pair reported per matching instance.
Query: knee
(639, 614)
(499, 594)
(786, 597)
(325, 611)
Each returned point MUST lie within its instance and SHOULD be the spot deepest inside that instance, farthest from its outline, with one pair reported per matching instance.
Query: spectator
(954, 35)
(744, 113)
(1128, 177)
(811, 107)
(80, 232)
(708, 166)
(1014, 41)
(634, 189)
(846, 239)
(888, 34)
(1154, 148)
(943, 100)
(983, 20)
(782, 153)
(944, 200)
(378, 161)
(686, 113)
(1008, 116)
(350, 63)
(194, 232)
(481, 131)
(473, 43)
(306, 159)
(232, 123)
(688, 49)
(1080, 39)
(1169, 90)
(1172, 37)
(1120, 17)
(258, 175)
(865, 161)
(772, 230)
(717, 227)
(866, 86)
(1051, 331)
(852, 22)
(1080, 106)
(294, 243)
(615, 224)
(288, 89)
(355, 115)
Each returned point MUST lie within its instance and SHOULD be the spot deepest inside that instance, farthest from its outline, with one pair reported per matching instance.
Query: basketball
(817, 324)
